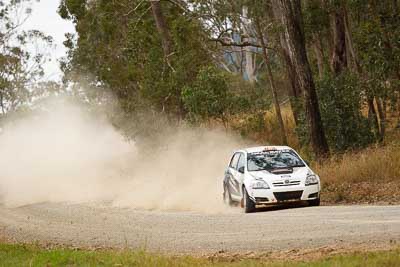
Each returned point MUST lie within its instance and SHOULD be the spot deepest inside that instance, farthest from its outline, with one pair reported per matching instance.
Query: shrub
(208, 96)
(341, 100)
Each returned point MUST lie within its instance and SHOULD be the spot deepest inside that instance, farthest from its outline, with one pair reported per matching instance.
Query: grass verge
(368, 176)
(29, 255)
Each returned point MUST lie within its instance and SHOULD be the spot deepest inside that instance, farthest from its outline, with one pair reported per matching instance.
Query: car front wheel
(248, 204)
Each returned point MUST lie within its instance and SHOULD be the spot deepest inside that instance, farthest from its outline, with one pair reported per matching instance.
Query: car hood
(299, 173)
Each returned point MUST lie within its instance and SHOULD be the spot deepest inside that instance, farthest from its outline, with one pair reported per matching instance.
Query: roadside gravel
(274, 229)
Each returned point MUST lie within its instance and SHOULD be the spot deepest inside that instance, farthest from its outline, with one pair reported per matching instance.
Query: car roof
(256, 149)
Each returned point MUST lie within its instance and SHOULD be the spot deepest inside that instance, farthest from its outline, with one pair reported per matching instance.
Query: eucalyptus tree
(242, 24)
(290, 16)
(21, 68)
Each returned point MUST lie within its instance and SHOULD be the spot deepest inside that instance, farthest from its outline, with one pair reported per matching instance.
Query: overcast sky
(45, 18)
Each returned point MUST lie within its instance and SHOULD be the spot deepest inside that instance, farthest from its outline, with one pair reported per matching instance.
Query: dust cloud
(67, 154)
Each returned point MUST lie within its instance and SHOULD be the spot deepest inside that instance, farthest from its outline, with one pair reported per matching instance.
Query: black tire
(314, 202)
(248, 204)
(227, 197)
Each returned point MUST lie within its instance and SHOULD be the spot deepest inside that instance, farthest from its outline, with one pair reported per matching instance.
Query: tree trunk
(294, 90)
(2, 104)
(339, 55)
(372, 116)
(289, 12)
(272, 84)
(382, 117)
(398, 110)
(162, 28)
(349, 42)
(319, 55)
(250, 66)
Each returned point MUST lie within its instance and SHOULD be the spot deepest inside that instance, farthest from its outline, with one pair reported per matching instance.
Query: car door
(230, 178)
(240, 173)
(237, 175)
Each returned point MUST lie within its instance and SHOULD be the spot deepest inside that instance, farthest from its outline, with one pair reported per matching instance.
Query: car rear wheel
(314, 202)
(248, 204)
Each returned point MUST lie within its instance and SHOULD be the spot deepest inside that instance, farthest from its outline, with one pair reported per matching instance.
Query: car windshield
(273, 159)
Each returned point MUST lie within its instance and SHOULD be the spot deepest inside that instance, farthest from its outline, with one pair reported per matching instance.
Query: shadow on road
(294, 205)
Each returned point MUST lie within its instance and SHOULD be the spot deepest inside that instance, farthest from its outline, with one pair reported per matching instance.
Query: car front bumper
(286, 194)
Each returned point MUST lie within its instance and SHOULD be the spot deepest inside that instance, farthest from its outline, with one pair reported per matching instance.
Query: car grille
(283, 183)
(292, 195)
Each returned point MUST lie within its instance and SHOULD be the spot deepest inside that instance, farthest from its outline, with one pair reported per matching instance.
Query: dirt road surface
(95, 225)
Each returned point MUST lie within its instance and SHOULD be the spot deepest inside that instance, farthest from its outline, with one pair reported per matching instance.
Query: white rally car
(269, 175)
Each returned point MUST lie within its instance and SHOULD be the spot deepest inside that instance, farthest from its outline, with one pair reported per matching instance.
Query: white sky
(44, 17)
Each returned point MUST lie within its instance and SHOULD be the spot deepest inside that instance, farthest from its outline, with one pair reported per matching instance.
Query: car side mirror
(241, 169)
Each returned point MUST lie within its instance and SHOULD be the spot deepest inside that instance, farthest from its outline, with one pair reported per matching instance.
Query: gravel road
(101, 225)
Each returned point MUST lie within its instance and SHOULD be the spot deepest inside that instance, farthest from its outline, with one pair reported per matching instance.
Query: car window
(271, 160)
(241, 161)
(234, 161)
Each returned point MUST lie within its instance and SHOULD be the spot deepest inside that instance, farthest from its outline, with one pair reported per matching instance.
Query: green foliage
(208, 96)
(117, 46)
(252, 124)
(379, 58)
(72, 9)
(315, 19)
(376, 37)
(217, 95)
(248, 98)
(120, 48)
(163, 81)
(341, 100)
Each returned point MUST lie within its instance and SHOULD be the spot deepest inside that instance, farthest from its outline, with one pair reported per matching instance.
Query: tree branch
(242, 44)
(134, 9)
(181, 4)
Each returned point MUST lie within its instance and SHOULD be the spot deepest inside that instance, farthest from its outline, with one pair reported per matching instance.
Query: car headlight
(311, 179)
(259, 184)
